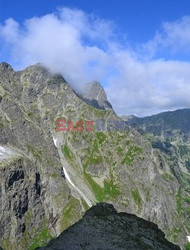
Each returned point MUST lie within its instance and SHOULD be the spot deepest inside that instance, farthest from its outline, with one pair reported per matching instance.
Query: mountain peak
(42, 70)
(95, 95)
(5, 66)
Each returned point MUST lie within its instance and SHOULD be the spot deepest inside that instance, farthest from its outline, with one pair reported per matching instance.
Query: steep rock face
(170, 133)
(95, 95)
(38, 185)
(103, 228)
(20, 192)
(73, 170)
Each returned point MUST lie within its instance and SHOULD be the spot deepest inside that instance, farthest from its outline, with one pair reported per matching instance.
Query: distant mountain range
(171, 124)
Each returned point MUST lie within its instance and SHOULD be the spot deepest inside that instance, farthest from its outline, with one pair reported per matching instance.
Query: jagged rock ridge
(103, 228)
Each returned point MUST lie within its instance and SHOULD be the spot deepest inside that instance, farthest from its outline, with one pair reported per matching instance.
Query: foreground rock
(103, 228)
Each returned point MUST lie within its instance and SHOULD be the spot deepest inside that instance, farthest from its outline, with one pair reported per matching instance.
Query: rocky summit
(95, 95)
(49, 178)
(103, 228)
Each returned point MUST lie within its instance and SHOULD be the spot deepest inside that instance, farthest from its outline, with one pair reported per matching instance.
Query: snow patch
(6, 153)
(55, 141)
(76, 188)
(2, 149)
(68, 177)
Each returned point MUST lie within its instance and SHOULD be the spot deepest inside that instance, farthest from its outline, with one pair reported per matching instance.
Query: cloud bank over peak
(60, 41)
(84, 47)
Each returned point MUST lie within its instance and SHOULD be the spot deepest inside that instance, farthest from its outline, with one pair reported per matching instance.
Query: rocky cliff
(52, 177)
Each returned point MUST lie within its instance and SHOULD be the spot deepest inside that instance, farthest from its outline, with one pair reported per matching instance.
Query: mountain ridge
(37, 198)
(163, 123)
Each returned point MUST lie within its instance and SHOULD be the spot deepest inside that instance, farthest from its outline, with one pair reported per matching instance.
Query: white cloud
(145, 88)
(10, 30)
(57, 40)
(82, 47)
(173, 36)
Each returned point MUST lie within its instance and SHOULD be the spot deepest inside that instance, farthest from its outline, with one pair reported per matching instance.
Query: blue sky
(138, 19)
(139, 50)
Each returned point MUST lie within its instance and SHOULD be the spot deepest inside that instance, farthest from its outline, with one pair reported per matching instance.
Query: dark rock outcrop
(103, 228)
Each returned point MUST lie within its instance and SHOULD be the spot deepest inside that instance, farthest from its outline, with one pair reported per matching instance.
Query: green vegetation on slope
(130, 155)
(41, 239)
(178, 201)
(36, 153)
(110, 190)
(187, 246)
(69, 213)
(67, 152)
(136, 197)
